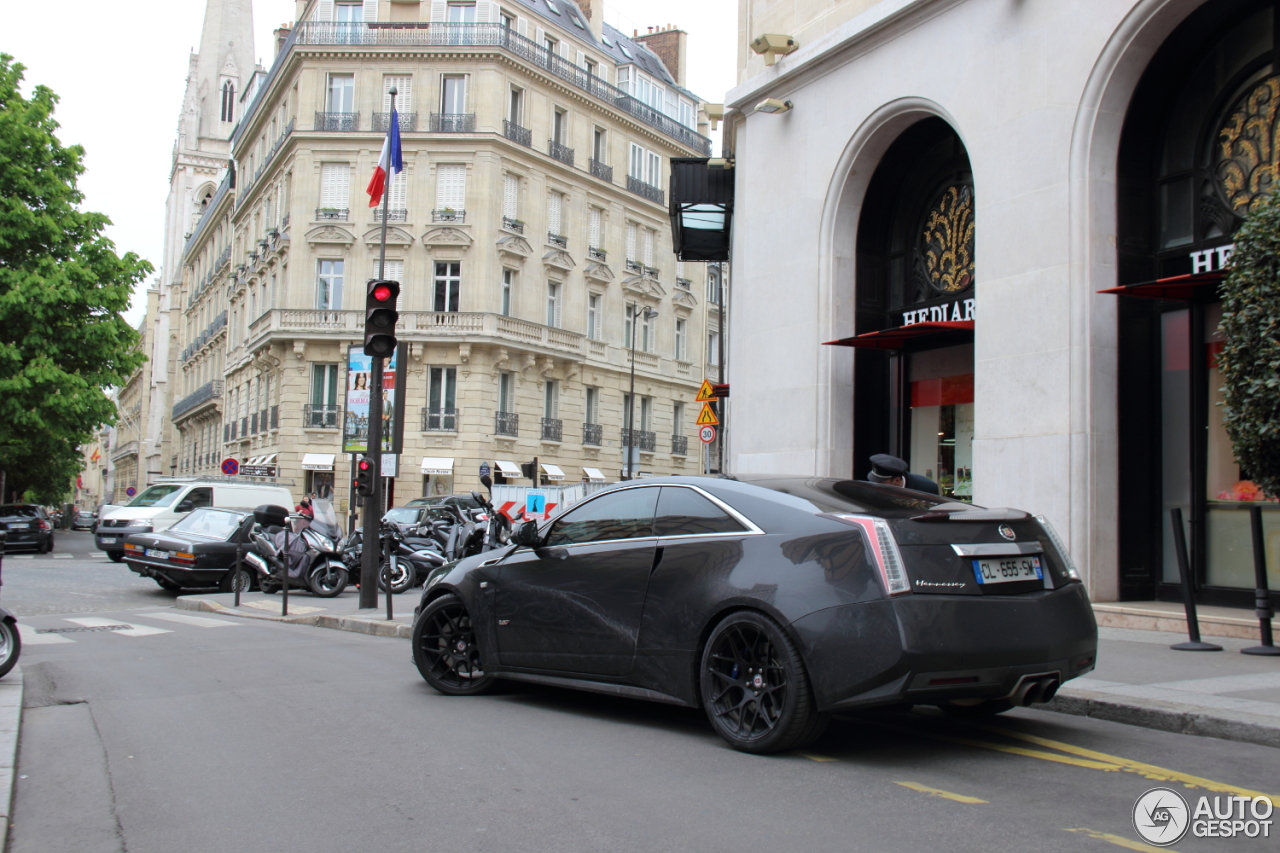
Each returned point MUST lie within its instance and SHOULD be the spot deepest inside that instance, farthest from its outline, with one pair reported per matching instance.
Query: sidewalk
(1139, 680)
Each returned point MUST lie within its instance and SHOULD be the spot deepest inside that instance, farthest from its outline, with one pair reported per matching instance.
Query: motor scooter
(310, 559)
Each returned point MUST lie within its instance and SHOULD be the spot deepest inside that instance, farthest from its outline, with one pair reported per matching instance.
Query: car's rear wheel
(116, 556)
(445, 649)
(755, 688)
(976, 710)
(232, 579)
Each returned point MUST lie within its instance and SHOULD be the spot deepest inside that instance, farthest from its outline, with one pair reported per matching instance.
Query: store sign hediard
(1204, 261)
(948, 312)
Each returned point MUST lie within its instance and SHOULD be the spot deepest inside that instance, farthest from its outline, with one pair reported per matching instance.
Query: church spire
(222, 69)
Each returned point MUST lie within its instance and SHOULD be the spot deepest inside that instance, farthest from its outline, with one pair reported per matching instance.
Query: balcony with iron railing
(593, 434)
(439, 420)
(684, 284)
(336, 214)
(506, 423)
(337, 121)
(207, 392)
(651, 272)
(516, 133)
(597, 254)
(453, 122)
(516, 225)
(320, 416)
(643, 190)
(646, 440)
(601, 171)
(408, 122)
(394, 214)
(552, 429)
(449, 214)
(634, 266)
(679, 445)
(561, 152)
(558, 240)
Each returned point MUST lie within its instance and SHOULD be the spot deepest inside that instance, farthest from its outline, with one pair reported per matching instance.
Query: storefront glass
(941, 442)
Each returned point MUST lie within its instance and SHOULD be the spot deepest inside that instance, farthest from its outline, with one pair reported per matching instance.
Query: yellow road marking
(938, 792)
(812, 757)
(1150, 771)
(1013, 750)
(1121, 841)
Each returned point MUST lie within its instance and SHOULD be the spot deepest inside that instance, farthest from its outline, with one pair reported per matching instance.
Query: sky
(120, 79)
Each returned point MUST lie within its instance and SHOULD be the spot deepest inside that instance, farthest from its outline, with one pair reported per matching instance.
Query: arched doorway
(913, 368)
(1198, 148)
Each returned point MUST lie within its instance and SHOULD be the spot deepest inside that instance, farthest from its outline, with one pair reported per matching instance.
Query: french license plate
(19, 526)
(159, 555)
(109, 540)
(1007, 569)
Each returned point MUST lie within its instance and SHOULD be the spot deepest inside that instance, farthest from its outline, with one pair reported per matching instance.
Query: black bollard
(284, 573)
(1262, 595)
(1188, 597)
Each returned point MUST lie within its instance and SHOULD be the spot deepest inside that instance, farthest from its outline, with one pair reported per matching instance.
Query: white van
(160, 506)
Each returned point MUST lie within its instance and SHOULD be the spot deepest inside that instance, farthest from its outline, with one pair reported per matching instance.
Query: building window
(451, 188)
(510, 196)
(682, 336)
(462, 13)
(448, 284)
(677, 418)
(403, 84)
(453, 94)
(342, 93)
(633, 231)
(515, 106)
(593, 316)
(228, 111)
(646, 413)
(595, 218)
(600, 146)
(713, 285)
(329, 285)
(555, 204)
(647, 336)
(551, 399)
(713, 348)
(335, 184)
(506, 392)
(559, 126)
(553, 304)
(442, 392)
(628, 338)
(508, 285)
(323, 411)
(650, 236)
(395, 272)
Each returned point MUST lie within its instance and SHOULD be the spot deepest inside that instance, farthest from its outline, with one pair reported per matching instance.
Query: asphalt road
(189, 732)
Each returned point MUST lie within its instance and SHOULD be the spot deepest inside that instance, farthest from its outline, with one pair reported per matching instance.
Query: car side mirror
(186, 506)
(527, 535)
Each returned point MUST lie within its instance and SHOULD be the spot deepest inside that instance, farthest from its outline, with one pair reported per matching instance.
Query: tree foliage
(1250, 357)
(62, 290)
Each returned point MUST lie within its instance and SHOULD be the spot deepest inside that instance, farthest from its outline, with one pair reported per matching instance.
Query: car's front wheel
(755, 688)
(445, 649)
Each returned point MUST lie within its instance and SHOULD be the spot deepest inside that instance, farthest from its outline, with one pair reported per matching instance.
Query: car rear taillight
(42, 524)
(883, 546)
(1067, 563)
(128, 546)
(183, 558)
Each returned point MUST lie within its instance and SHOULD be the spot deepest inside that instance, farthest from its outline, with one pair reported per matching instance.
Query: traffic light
(380, 318)
(364, 476)
(530, 470)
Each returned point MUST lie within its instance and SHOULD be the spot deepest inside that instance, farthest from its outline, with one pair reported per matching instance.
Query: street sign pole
(720, 342)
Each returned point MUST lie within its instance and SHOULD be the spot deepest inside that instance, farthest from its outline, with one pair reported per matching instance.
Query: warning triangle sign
(706, 393)
(707, 416)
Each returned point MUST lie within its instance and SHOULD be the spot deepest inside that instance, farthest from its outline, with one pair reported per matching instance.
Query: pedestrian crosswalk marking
(201, 621)
(133, 631)
(31, 638)
(64, 556)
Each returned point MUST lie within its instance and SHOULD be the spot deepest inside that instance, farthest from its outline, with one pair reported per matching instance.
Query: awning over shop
(438, 465)
(1192, 287)
(901, 337)
(317, 461)
(553, 472)
(593, 474)
(508, 469)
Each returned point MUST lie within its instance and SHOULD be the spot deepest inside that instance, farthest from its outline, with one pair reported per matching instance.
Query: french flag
(392, 160)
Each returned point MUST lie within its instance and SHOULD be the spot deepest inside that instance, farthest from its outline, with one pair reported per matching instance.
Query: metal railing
(633, 266)
(448, 215)
(408, 121)
(600, 170)
(506, 423)
(517, 134)
(593, 434)
(335, 213)
(560, 152)
(320, 416)
(453, 122)
(558, 240)
(247, 185)
(679, 445)
(597, 254)
(646, 440)
(651, 272)
(208, 391)
(439, 420)
(642, 189)
(337, 121)
(552, 429)
(515, 225)
(395, 214)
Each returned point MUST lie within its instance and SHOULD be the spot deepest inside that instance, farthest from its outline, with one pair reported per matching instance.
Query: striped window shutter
(335, 183)
(632, 228)
(594, 237)
(399, 192)
(554, 203)
(522, 27)
(582, 59)
(438, 10)
(371, 10)
(488, 12)
(542, 37)
(648, 247)
(404, 93)
(451, 187)
(510, 196)
(395, 272)
(324, 10)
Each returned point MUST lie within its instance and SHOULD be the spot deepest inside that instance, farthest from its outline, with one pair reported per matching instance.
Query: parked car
(771, 602)
(198, 551)
(162, 505)
(84, 520)
(28, 526)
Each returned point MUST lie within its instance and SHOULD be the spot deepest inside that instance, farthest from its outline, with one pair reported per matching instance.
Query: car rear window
(684, 512)
(832, 495)
(18, 511)
(209, 524)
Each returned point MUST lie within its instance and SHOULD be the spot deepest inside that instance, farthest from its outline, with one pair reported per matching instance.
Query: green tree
(1250, 357)
(62, 290)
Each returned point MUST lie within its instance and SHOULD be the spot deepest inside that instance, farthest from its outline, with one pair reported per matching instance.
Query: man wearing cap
(893, 471)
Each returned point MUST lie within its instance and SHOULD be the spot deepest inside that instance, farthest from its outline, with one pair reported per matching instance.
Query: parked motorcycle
(310, 559)
(405, 559)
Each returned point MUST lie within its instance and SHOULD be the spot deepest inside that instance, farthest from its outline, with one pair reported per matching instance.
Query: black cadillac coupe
(770, 602)
(198, 551)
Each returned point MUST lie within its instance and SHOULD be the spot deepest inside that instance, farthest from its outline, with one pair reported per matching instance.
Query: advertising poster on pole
(355, 423)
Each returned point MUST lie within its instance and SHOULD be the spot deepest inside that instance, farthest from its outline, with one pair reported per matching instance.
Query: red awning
(1192, 287)
(897, 338)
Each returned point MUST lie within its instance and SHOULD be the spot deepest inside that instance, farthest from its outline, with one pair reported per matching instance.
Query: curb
(374, 625)
(1163, 717)
(10, 725)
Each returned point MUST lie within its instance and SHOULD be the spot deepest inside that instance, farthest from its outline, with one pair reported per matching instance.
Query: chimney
(670, 45)
(282, 36)
(593, 11)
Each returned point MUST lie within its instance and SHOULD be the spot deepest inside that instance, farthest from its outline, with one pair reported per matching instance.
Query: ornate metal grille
(1247, 144)
(947, 242)
(408, 121)
(593, 434)
(552, 429)
(516, 133)
(563, 153)
(453, 122)
(337, 121)
(601, 171)
(506, 423)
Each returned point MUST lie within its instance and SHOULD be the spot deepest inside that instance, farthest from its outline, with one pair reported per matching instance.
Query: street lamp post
(649, 314)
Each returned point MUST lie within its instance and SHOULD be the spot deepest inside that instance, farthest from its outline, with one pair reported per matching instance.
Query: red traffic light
(382, 293)
(365, 464)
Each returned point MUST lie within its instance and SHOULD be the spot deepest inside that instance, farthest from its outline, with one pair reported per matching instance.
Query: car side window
(684, 512)
(625, 514)
(199, 498)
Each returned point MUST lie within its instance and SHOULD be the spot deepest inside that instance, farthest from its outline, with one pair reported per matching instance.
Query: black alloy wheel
(232, 579)
(327, 581)
(445, 649)
(116, 556)
(10, 646)
(754, 686)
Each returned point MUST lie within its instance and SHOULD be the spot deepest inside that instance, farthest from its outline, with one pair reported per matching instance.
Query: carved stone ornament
(684, 299)
(395, 236)
(514, 248)
(547, 366)
(642, 286)
(501, 361)
(330, 234)
(598, 272)
(558, 259)
(447, 236)
(530, 362)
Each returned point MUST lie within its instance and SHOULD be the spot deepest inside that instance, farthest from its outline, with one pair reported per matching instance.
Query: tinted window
(19, 511)
(200, 497)
(625, 514)
(684, 512)
(854, 495)
(208, 524)
(156, 496)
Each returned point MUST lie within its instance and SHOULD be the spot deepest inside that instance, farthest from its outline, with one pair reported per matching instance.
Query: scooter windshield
(325, 521)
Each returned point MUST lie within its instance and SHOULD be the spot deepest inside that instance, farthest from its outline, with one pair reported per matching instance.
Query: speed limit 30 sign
(707, 434)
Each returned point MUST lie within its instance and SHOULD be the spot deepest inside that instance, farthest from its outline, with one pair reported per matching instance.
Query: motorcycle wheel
(327, 582)
(269, 587)
(10, 646)
(403, 579)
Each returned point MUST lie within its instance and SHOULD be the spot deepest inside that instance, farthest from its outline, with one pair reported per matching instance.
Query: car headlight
(1067, 563)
